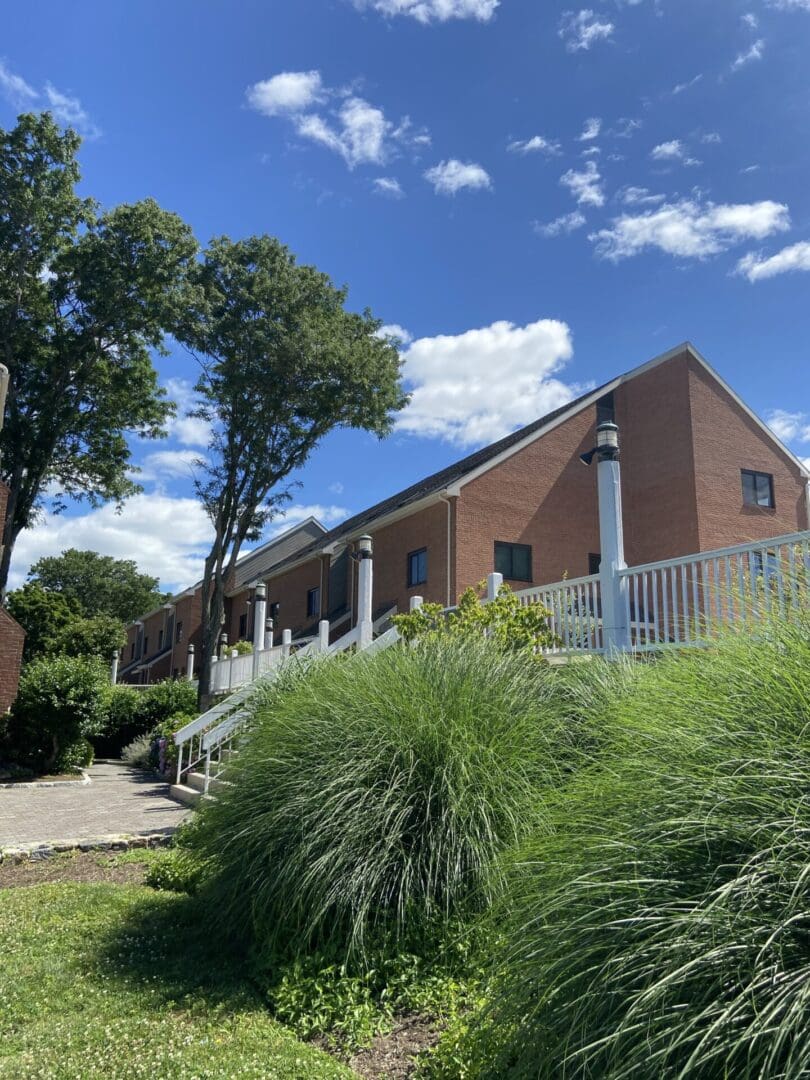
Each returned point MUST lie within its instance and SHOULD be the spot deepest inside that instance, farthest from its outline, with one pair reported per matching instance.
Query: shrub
(174, 870)
(375, 793)
(137, 753)
(504, 620)
(243, 648)
(61, 701)
(661, 928)
(134, 712)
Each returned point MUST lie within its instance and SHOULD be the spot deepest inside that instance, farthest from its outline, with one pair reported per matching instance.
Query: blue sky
(539, 195)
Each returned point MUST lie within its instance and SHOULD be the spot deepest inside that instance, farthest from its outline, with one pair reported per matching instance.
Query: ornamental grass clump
(661, 927)
(375, 794)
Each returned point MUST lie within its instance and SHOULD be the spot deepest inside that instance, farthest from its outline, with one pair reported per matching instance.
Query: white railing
(686, 601)
(576, 613)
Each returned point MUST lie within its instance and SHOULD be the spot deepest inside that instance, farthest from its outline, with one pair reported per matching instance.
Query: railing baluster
(656, 628)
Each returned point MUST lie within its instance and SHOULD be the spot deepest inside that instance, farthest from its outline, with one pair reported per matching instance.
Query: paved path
(119, 800)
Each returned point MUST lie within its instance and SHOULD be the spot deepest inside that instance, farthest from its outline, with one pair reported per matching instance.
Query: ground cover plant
(660, 928)
(116, 981)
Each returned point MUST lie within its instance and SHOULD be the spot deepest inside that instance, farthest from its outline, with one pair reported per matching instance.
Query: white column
(365, 591)
(615, 631)
(259, 615)
(190, 663)
(494, 582)
(268, 634)
(415, 603)
(114, 668)
(286, 639)
(323, 635)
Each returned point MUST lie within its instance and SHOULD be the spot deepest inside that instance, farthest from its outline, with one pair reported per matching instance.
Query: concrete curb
(79, 781)
(113, 842)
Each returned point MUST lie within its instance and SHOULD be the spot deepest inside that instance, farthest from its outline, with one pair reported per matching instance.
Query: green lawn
(118, 981)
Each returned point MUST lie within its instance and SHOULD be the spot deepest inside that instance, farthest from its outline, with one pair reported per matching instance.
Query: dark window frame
(507, 546)
(594, 560)
(756, 476)
(178, 632)
(243, 620)
(132, 652)
(314, 602)
(416, 577)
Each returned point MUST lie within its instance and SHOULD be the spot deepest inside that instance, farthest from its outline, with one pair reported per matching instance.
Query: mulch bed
(392, 1055)
(88, 866)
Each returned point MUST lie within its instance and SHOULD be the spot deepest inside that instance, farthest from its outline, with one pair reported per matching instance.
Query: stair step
(196, 781)
(185, 794)
(228, 755)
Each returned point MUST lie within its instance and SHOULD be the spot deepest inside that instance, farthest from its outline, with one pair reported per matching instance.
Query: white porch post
(365, 590)
(323, 635)
(190, 663)
(416, 602)
(114, 668)
(494, 582)
(268, 634)
(613, 588)
(259, 615)
(286, 640)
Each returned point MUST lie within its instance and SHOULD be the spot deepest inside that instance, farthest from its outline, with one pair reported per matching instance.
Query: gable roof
(450, 480)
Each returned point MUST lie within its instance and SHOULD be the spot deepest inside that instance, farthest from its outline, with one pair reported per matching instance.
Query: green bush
(134, 712)
(174, 870)
(504, 620)
(660, 929)
(61, 702)
(376, 793)
(138, 752)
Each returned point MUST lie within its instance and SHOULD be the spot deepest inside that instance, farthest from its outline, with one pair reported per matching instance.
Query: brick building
(12, 636)
(699, 471)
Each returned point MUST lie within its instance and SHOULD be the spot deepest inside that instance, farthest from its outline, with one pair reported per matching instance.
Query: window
(605, 409)
(160, 640)
(132, 651)
(146, 646)
(514, 561)
(757, 488)
(417, 567)
(274, 610)
(178, 633)
(242, 627)
(594, 559)
(313, 602)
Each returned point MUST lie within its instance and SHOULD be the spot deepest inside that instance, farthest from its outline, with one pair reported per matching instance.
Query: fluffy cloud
(288, 92)
(471, 388)
(639, 196)
(187, 430)
(66, 110)
(388, 185)
(674, 150)
(355, 129)
(580, 30)
(591, 129)
(451, 176)
(426, 11)
(394, 330)
(788, 260)
(690, 229)
(565, 224)
(169, 463)
(754, 53)
(788, 426)
(586, 185)
(533, 145)
(294, 515)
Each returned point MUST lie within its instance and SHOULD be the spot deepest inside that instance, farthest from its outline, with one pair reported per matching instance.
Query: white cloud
(580, 30)
(388, 185)
(15, 89)
(65, 109)
(451, 176)
(667, 151)
(565, 224)
(471, 388)
(711, 137)
(690, 229)
(749, 169)
(679, 89)
(534, 144)
(287, 92)
(754, 53)
(788, 260)
(166, 463)
(590, 130)
(294, 515)
(187, 430)
(791, 5)
(639, 196)
(750, 21)
(336, 488)
(788, 426)
(626, 127)
(426, 11)
(585, 186)
(166, 537)
(394, 330)
(356, 130)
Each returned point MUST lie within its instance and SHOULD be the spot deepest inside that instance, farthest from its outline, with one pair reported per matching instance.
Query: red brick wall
(392, 545)
(12, 636)
(290, 590)
(727, 440)
(188, 611)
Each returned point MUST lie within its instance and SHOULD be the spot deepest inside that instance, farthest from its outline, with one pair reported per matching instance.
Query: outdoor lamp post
(260, 597)
(365, 588)
(612, 584)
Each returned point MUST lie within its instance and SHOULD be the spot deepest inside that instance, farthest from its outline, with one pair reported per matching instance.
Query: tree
(43, 615)
(95, 636)
(84, 296)
(99, 584)
(282, 363)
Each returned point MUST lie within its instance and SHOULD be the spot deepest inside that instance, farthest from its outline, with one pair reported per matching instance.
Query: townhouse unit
(700, 471)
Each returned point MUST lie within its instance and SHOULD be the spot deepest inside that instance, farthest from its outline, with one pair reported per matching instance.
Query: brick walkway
(118, 801)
